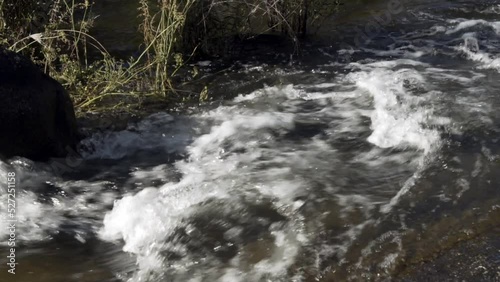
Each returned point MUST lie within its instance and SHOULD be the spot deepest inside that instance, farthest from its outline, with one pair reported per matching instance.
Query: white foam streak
(473, 52)
(472, 23)
(287, 91)
(393, 64)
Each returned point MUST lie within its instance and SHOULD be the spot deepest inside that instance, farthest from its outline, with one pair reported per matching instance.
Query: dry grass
(56, 35)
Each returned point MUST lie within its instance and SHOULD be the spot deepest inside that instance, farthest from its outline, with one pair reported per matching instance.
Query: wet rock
(37, 119)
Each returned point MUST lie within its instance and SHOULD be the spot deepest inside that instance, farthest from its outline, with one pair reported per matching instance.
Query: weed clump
(56, 35)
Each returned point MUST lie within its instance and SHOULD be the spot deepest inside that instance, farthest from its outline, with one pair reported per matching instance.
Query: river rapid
(373, 153)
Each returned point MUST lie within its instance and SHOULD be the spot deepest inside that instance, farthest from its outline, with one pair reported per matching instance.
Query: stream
(375, 151)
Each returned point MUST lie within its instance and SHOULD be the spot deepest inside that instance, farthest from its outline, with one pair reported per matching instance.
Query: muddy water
(374, 157)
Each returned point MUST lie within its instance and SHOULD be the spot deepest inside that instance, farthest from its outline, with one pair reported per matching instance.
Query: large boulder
(37, 119)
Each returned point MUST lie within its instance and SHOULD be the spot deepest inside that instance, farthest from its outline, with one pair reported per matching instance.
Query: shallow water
(355, 162)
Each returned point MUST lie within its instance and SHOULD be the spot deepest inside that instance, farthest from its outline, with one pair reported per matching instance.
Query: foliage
(56, 35)
(59, 43)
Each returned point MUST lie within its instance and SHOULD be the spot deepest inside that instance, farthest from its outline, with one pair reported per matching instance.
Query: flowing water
(356, 162)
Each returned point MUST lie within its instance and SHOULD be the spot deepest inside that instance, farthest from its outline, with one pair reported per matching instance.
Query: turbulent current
(355, 162)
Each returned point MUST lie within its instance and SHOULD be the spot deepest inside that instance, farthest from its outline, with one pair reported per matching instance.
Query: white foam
(398, 118)
(471, 48)
(288, 91)
(40, 216)
(465, 24)
(465, 78)
(212, 171)
(399, 52)
(392, 64)
(33, 219)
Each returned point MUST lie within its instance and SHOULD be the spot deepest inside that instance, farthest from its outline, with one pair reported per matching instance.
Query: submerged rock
(37, 118)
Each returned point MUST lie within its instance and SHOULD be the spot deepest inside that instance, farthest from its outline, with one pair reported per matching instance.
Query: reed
(162, 31)
(56, 34)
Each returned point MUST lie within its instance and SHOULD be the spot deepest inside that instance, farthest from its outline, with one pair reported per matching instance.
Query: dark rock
(37, 119)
